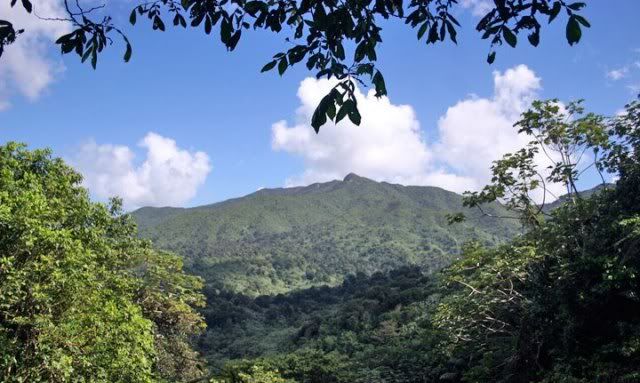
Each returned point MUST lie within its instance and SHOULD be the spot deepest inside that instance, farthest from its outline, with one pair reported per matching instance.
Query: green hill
(278, 240)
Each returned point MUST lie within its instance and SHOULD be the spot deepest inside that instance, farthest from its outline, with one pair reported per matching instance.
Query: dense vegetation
(82, 298)
(278, 240)
(559, 303)
(367, 329)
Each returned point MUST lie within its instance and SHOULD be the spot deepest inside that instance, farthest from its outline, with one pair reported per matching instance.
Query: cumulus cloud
(389, 144)
(476, 131)
(25, 66)
(168, 176)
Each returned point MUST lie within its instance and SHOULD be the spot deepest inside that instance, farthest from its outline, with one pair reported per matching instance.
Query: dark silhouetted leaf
(574, 33)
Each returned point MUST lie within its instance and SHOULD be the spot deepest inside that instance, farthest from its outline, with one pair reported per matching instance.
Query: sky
(187, 123)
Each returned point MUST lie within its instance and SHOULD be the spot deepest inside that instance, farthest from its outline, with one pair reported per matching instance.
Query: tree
(569, 141)
(322, 31)
(560, 303)
(82, 298)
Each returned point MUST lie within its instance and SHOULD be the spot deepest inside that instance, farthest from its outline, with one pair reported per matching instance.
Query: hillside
(278, 240)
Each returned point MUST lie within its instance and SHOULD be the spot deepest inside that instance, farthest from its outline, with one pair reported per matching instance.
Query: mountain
(583, 194)
(278, 240)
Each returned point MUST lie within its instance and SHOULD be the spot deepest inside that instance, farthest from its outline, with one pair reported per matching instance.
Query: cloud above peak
(389, 145)
(168, 176)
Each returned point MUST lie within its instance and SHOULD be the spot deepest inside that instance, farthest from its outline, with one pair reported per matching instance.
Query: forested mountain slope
(277, 240)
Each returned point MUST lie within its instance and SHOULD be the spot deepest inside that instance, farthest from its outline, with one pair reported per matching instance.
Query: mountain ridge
(282, 239)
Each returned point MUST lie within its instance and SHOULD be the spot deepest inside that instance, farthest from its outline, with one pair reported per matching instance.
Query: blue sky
(184, 86)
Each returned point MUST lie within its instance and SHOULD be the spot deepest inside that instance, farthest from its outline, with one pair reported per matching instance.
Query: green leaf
(331, 110)
(319, 117)
(282, 66)
(233, 42)
(27, 5)
(158, 23)
(433, 34)
(354, 115)
(582, 21)
(64, 38)
(423, 29)
(491, 57)
(270, 65)
(225, 31)
(378, 82)
(344, 110)
(86, 55)
(577, 6)
(574, 33)
(509, 37)
(534, 38)
(94, 58)
(67, 47)
(452, 31)
(207, 25)
(128, 52)
(554, 11)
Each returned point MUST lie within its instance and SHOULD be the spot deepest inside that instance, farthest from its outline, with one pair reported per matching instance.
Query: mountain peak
(353, 177)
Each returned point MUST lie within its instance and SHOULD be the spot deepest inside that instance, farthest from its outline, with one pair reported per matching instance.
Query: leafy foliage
(369, 329)
(7, 34)
(82, 298)
(571, 141)
(336, 38)
(559, 303)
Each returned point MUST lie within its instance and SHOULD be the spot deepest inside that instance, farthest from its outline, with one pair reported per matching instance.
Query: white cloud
(389, 145)
(618, 74)
(25, 67)
(169, 175)
(478, 7)
(476, 131)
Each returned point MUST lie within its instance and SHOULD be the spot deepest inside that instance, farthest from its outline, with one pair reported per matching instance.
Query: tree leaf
(574, 33)
(128, 52)
(509, 37)
(582, 21)
(452, 31)
(344, 110)
(491, 57)
(27, 5)
(534, 38)
(555, 11)
(354, 115)
(233, 42)
(319, 117)
(423, 29)
(282, 66)
(207, 25)
(577, 6)
(270, 65)
(378, 82)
